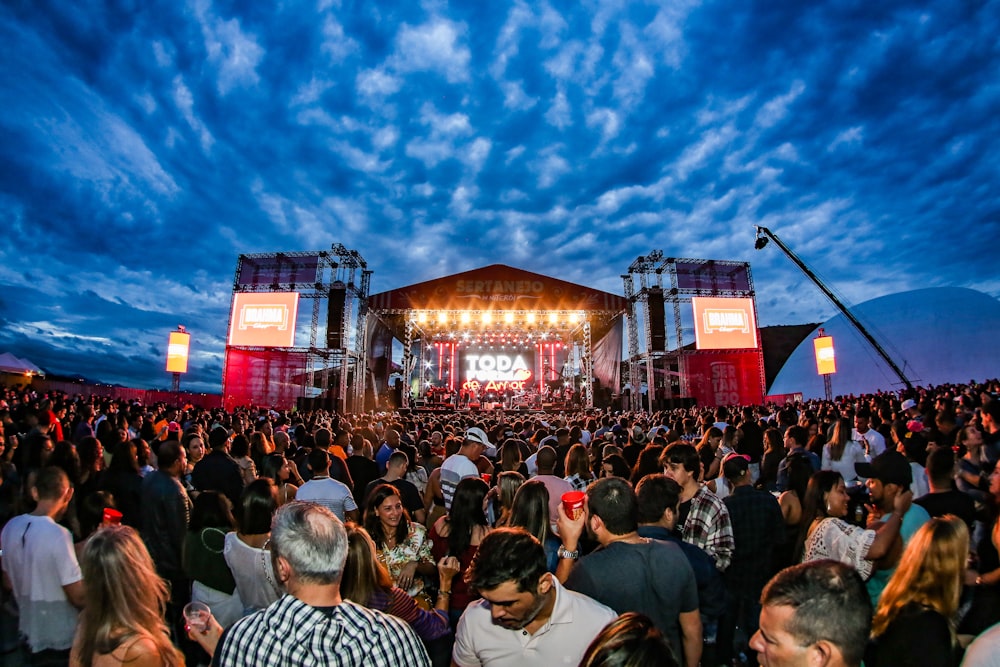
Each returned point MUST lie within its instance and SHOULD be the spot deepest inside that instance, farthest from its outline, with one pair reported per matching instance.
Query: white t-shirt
(330, 493)
(39, 559)
(853, 453)
(454, 469)
(253, 573)
(876, 443)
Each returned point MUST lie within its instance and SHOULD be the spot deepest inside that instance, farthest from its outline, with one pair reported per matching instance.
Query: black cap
(889, 467)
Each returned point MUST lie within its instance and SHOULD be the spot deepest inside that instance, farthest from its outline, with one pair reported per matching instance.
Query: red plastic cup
(572, 502)
(486, 477)
(112, 517)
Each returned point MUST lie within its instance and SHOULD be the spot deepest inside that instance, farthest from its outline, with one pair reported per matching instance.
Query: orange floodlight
(177, 352)
(826, 361)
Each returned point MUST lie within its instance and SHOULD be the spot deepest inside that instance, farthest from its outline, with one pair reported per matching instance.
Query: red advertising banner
(724, 323)
(264, 319)
(724, 378)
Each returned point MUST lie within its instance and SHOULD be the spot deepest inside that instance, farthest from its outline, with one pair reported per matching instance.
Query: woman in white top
(247, 551)
(841, 453)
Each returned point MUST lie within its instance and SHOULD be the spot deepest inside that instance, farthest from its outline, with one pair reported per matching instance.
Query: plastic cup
(197, 615)
(112, 517)
(486, 477)
(572, 502)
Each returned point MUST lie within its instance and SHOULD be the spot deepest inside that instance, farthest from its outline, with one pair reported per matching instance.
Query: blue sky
(143, 146)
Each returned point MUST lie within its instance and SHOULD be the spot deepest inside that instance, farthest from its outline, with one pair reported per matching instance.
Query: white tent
(936, 335)
(11, 364)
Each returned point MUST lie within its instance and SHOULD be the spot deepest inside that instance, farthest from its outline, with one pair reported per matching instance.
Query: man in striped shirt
(312, 624)
(461, 465)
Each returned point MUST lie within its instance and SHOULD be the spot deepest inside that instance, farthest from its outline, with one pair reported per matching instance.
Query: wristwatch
(563, 552)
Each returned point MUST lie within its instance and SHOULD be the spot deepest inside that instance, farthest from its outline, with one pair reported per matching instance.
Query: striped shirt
(454, 470)
(290, 632)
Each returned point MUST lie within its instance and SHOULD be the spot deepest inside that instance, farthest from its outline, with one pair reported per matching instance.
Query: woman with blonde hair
(914, 623)
(122, 624)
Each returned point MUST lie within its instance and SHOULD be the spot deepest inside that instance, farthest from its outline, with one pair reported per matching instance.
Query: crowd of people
(818, 533)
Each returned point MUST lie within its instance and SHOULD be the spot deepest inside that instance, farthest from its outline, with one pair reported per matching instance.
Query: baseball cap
(889, 467)
(909, 403)
(476, 434)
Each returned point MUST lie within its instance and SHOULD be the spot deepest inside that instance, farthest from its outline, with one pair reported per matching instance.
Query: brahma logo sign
(724, 323)
(264, 319)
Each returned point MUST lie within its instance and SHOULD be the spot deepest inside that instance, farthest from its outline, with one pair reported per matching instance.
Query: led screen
(177, 352)
(264, 319)
(826, 361)
(724, 323)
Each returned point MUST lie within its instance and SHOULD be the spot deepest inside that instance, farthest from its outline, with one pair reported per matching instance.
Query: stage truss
(676, 280)
(280, 377)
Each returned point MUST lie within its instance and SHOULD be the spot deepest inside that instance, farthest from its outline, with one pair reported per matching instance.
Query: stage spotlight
(531, 318)
(466, 318)
(553, 318)
(574, 318)
(422, 316)
(442, 317)
(487, 317)
(508, 317)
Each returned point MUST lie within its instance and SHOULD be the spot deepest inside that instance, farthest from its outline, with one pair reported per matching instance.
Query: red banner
(725, 378)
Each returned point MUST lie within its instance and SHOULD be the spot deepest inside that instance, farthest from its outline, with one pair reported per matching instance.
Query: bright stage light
(531, 318)
(508, 318)
(466, 318)
(553, 318)
(487, 318)
(574, 318)
(442, 317)
(422, 316)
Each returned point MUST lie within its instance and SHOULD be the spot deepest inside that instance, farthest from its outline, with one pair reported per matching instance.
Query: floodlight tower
(763, 234)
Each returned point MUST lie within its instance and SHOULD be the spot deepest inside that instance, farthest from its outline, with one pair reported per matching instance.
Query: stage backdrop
(724, 378)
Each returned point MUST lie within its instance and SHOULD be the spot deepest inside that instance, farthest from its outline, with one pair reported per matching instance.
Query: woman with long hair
(825, 534)
(122, 620)
(501, 496)
(648, 463)
(458, 534)
(615, 466)
(577, 466)
(914, 623)
(247, 551)
(278, 469)
(260, 446)
(531, 512)
(985, 609)
(774, 452)
(367, 582)
(204, 560)
(970, 468)
(402, 544)
(841, 453)
(239, 450)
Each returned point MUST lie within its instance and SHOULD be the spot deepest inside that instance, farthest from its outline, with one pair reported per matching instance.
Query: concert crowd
(862, 530)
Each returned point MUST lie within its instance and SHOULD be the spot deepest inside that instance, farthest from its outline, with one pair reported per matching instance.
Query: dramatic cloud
(143, 149)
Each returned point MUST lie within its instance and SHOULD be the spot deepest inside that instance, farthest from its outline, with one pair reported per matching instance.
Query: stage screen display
(496, 371)
(724, 323)
(177, 352)
(826, 360)
(264, 319)
(277, 269)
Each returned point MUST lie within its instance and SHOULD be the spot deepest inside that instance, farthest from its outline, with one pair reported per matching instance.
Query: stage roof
(497, 287)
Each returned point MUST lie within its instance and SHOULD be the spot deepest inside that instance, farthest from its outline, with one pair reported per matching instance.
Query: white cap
(476, 434)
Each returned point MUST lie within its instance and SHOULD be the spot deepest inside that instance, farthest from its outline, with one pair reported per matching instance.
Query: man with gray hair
(311, 624)
(816, 613)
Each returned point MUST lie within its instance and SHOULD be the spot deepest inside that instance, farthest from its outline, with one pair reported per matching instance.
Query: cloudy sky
(143, 146)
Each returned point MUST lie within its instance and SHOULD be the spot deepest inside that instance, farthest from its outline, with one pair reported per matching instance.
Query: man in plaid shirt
(312, 624)
(704, 519)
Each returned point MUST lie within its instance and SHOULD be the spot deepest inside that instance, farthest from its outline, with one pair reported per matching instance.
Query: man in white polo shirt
(525, 617)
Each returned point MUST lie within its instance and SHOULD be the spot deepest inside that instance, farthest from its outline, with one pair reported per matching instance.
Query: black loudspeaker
(335, 317)
(657, 325)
